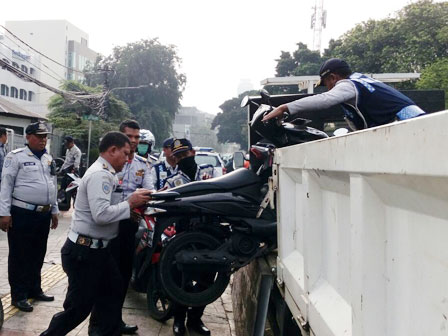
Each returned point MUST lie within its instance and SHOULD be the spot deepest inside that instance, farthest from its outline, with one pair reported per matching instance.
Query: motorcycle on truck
(224, 223)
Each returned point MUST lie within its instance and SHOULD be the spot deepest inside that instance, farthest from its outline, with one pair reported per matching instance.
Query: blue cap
(167, 142)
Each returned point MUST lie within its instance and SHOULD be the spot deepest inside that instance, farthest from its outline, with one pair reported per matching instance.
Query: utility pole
(103, 109)
(318, 23)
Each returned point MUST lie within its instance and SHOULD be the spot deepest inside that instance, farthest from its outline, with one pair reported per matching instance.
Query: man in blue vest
(366, 102)
(165, 168)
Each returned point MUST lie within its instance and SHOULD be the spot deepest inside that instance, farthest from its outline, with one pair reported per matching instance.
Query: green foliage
(153, 66)
(414, 39)
(303, 62)
(232, 122)
(67, 115)
(435, 76)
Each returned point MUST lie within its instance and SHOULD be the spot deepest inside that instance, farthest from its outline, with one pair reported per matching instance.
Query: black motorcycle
(224, 223)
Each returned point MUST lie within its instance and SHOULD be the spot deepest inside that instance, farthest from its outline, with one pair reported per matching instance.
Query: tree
(414, 39)
(303, 62)
(232, 121)
(67, 114)
(435, 76)
(153, 67)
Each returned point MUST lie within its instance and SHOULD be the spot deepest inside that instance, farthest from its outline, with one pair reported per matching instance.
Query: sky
(220, 42)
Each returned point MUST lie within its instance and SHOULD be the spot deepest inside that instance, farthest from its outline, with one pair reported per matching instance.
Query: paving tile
(216, 315)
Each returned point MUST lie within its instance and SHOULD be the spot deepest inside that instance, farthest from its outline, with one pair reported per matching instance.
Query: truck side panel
(363, 225)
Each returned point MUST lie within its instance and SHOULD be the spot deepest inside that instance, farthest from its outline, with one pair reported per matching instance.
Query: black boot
(198, 326)
(179, 328)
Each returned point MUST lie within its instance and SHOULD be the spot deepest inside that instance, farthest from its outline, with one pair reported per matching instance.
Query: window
(4, 90)
(32, 71)
(14, 92)
(16, 65)
(30, 95)
(24, 68)
(23, 94)
(6, 61)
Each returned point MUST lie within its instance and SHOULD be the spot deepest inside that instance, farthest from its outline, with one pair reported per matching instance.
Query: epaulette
(140, 158)
(18, 150)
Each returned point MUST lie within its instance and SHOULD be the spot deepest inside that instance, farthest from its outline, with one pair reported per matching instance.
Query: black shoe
(42, 297)
(127, 329)
(179, 328)
(23, 305)
(199, 327)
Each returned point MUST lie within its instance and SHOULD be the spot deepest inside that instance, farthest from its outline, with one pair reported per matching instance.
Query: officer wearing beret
(93, 276)
(166, 167)
(28, 208)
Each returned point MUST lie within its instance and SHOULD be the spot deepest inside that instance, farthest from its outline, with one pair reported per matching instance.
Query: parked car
(212, 158)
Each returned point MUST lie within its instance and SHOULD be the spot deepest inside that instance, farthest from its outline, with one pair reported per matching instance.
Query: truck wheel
(193, 289)
(160, 306)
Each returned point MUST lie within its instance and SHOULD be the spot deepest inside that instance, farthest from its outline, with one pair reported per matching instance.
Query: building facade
(66, 45)
(195, 125)
(12, 88)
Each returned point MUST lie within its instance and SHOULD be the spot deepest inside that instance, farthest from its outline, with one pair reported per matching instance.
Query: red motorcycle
(146, 278)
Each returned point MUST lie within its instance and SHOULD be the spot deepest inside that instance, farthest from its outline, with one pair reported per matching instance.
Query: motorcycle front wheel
(192, 289)
(160, 306)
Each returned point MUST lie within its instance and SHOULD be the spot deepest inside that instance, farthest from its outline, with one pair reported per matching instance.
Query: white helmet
(147, 137)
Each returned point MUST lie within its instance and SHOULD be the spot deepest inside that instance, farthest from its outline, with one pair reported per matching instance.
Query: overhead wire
(37, 51)
(43, 64)
(58, 79)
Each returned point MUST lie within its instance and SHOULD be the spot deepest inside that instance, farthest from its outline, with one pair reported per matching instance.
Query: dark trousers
(27, 240)
(181, 312)
(123, 250)
(93, 280)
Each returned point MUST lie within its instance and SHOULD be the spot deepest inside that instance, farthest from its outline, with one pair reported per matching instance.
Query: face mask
(188, 166)
(142, 149)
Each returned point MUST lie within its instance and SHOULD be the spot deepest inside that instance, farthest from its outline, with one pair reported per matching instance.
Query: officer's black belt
(87, 241)
(30, 206)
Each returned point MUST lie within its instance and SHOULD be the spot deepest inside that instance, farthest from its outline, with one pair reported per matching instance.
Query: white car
(212, 158)
(206, 157)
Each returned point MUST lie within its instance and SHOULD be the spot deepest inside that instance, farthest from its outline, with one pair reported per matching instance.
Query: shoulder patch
(7, 162)
(106, 187)
(18, 150)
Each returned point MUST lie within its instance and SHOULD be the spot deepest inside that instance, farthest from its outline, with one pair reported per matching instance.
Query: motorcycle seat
(238, 179)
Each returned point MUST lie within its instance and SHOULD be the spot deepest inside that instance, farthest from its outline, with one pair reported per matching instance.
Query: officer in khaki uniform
(28, 205)
(94, 280)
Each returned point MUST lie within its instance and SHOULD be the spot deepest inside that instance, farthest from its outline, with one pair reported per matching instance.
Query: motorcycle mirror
(245, 101)
(340, 131)
(265, 96)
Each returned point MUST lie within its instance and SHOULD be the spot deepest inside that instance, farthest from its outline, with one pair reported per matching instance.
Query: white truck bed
(363, 230)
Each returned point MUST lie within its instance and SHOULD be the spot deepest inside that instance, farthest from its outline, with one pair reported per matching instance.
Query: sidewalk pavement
(218, 316)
